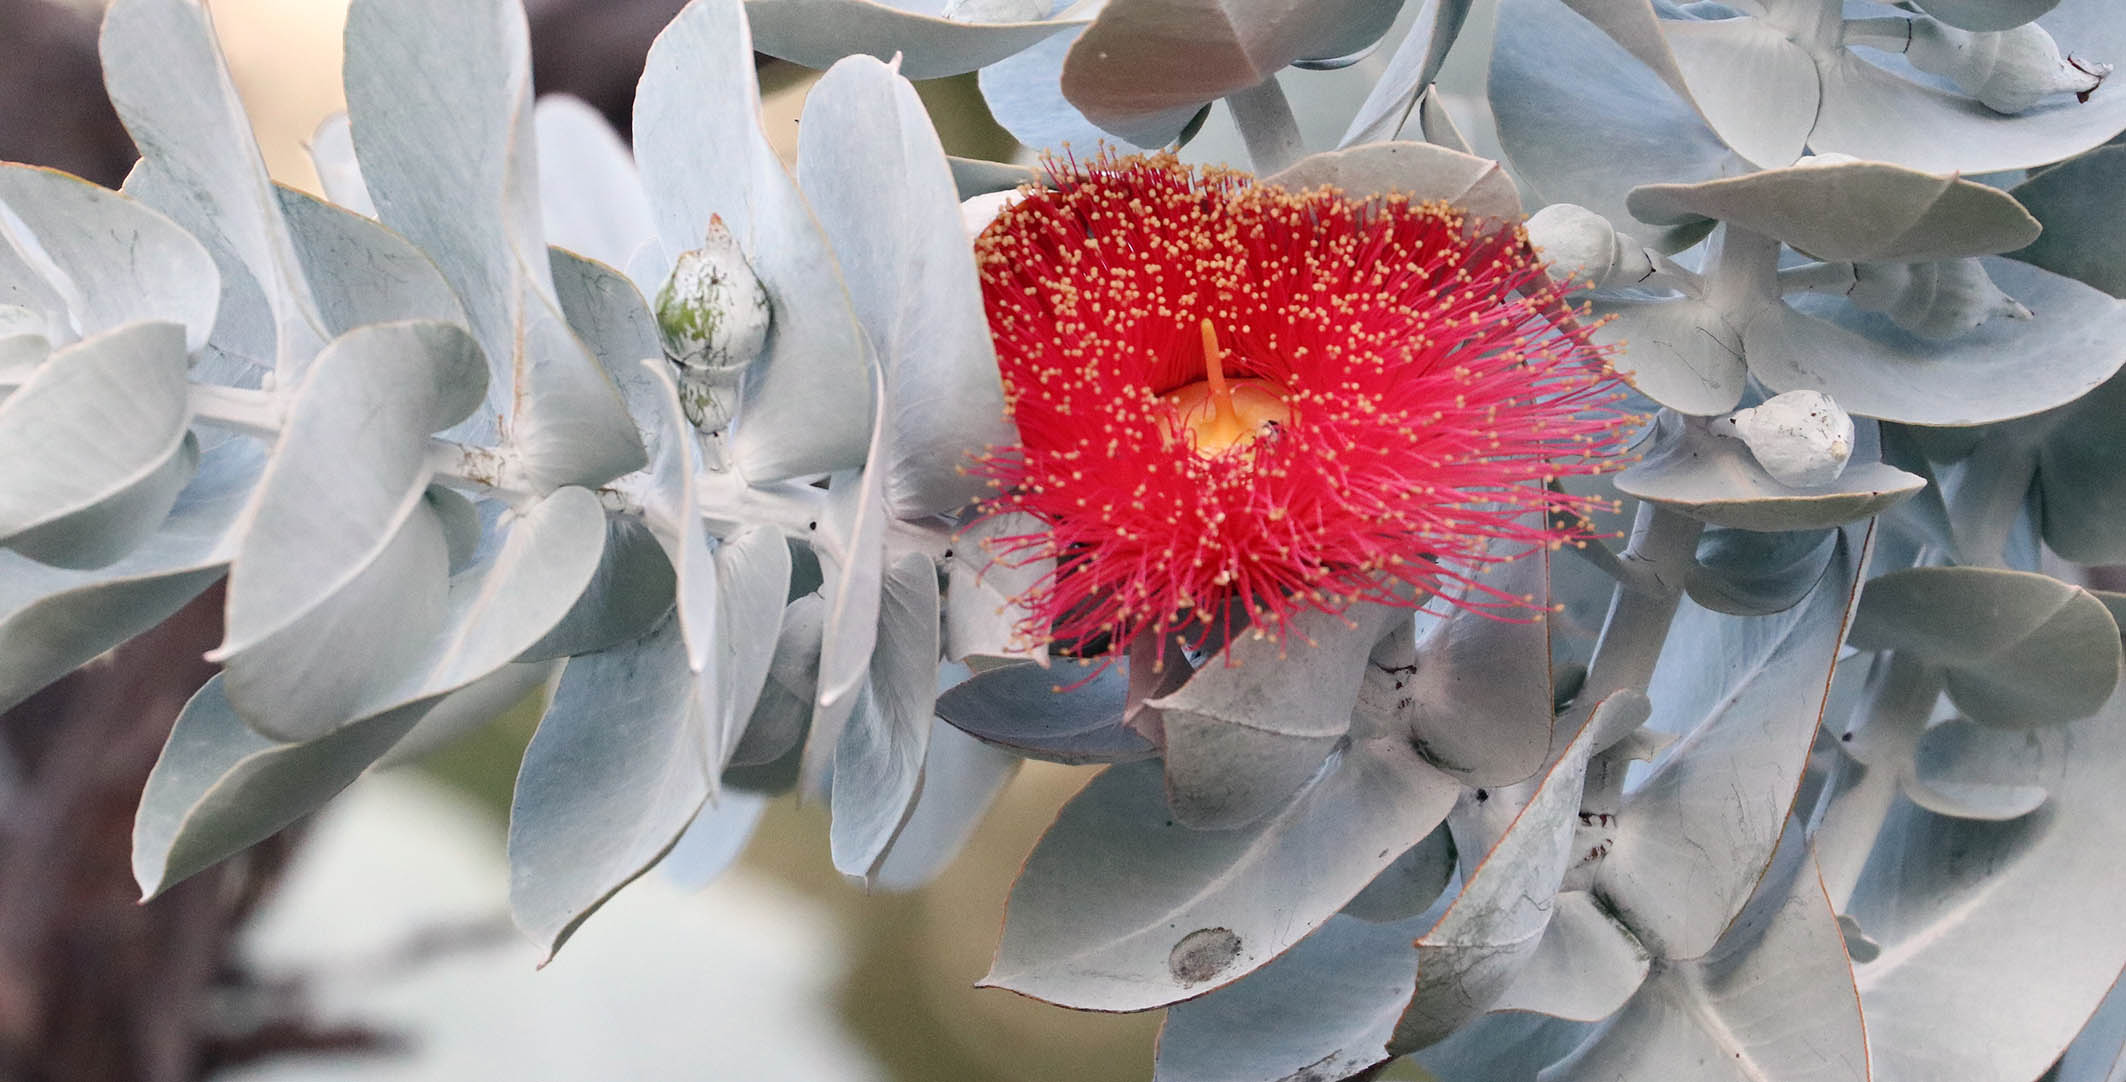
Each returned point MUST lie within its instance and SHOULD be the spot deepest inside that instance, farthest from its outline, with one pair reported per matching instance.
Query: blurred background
(374, 943)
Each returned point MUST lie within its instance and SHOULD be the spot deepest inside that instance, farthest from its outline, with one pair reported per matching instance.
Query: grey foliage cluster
(1814, 779)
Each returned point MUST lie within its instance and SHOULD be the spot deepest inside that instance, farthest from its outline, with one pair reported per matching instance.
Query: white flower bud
(2008, 71)
(1584, 250)
(1802, 438)
(1933, 300)
(713, 311)
(977, 212)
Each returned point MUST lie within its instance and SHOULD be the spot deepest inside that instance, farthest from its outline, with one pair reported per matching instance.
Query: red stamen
(1421, 376)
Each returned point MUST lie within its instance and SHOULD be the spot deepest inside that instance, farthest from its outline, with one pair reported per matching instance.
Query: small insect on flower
(1237, 402)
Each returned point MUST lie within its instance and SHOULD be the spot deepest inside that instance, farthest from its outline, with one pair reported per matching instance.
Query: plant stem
(1267, 125)
(726, 501)
(1987, 501)
(1863, 787)
(1835, 279)
(1663, 545)
(1891, 34)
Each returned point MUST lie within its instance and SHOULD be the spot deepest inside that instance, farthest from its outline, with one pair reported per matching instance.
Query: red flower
(1231, 396)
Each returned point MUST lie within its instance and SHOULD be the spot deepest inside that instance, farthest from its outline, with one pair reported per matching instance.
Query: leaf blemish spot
(1203, 954)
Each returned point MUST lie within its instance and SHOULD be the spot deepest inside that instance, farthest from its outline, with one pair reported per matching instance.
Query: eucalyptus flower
(1231, 395)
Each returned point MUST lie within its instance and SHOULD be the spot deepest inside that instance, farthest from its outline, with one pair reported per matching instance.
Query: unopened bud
(714, 314)
(1582, 249)
(2008, 71)
(1802, 438)
(1933, 300)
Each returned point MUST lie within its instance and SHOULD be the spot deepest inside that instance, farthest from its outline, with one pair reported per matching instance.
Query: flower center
(1219, 413)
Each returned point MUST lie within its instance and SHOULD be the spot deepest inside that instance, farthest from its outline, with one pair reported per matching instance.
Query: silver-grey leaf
(1122, 908)
(807, 406)
(103, 260)
(95, 446)
(615, 772)
(911, 279)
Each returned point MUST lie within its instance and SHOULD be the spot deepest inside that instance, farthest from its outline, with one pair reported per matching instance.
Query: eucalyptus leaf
(1773, 999)
(628, 594)
(1973, 772)
(339, 172)
(2082, 205)
(912, 281)
(1468, 958)
(168, 82)
(975, 176)
(853, 563)
(1476, 698)
(1326, 1006)
(714, 840)
(1419, 170)
(440, 103)
(1851, 211)
(1410, 886)
(340, 574)
(961, 778)
(1746, 693)
(590, 197)
(818, 33)
(2081, 477)
(1143, 68)
(2098, 1053)
(672, 508)
(1552, 69)
(361, 272)
(473, 707)
(1682, 352)
(985, 607)
(784, 711)
(1585, 968)
(1751, 82)
(2021, 649)
(1986, 15)
(753, 571)
(502, 606)
(52, 620)
(96, 447)
(605, 309)
(1416, 63)
(1747, 573)
(1973, 904)
(878, 756)
(1255, 722)
(1714, 478)
(1875, 369)
(1057, 715)
(1120, 907)
(614, 774)
(106, 260)
(807, 405)
(221, 787)
(1024, 93)
(1871, 113)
